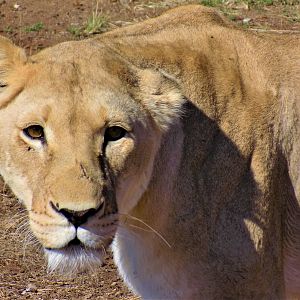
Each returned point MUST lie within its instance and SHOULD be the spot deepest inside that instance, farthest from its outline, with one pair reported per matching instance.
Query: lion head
(80, 129)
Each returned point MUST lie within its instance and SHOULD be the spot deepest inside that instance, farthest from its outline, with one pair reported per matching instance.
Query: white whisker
(140, 228)
(123, 232)
(149, 227)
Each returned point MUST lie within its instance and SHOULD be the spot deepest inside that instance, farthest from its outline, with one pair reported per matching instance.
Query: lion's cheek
(16, 181)
(130, 190)
(133, 183)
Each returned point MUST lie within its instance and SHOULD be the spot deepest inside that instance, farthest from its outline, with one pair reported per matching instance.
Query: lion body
(205, 185)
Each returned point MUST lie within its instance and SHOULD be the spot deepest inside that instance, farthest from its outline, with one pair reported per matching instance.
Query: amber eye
(114, 133)
(35, 132)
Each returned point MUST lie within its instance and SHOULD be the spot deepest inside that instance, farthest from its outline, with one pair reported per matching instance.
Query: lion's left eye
(114, 133)
(35, 132)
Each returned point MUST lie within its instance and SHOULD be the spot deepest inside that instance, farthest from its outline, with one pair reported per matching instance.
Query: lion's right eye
(114, 133)
(35, 132)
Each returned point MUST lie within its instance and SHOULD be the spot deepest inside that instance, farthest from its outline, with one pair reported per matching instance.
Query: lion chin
(74, 259)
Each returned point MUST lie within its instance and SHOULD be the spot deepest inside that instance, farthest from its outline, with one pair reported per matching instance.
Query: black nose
(77, 217)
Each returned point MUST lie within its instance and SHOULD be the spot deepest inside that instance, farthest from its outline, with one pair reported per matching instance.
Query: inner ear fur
(161, 96)
(12, 58)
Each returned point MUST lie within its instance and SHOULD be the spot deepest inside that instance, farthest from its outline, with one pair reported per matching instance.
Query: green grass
(75, 30)
(287, 2)
(8, 29)
(260, 2)
(211, 3)
(34, 27)
(291, 14)
(96, 23)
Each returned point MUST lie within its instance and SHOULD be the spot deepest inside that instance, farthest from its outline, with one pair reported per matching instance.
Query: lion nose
(77, 217)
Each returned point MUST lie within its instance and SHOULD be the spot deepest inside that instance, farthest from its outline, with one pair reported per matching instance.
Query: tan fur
(201, 196)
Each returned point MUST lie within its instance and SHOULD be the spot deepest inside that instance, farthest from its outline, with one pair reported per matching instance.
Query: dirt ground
(35, 24)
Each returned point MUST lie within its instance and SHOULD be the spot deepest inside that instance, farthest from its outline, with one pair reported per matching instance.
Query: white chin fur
(72, 260)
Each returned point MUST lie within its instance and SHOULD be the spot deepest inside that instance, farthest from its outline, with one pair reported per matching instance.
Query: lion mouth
(76, 242)
(84, 252)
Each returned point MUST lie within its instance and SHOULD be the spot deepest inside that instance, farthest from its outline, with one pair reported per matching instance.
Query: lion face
(79, 131)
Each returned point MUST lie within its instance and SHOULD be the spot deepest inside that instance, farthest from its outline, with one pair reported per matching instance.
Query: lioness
(177, 139)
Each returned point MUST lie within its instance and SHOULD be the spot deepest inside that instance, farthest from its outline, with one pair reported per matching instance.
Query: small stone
(31, 288)
(246, 20)
(113, 284)
(16, 6)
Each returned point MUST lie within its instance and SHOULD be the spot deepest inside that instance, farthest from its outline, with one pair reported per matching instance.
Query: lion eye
(114, 133)
(35, 132)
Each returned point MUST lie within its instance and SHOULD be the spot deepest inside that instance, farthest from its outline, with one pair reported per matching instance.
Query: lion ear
(11, 59)
(161, 96)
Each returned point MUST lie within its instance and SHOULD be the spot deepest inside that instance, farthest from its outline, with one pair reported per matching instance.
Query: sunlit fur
(205, 182)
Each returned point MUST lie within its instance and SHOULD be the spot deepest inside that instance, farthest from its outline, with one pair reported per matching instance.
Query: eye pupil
(114, 133)
(34, 132)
